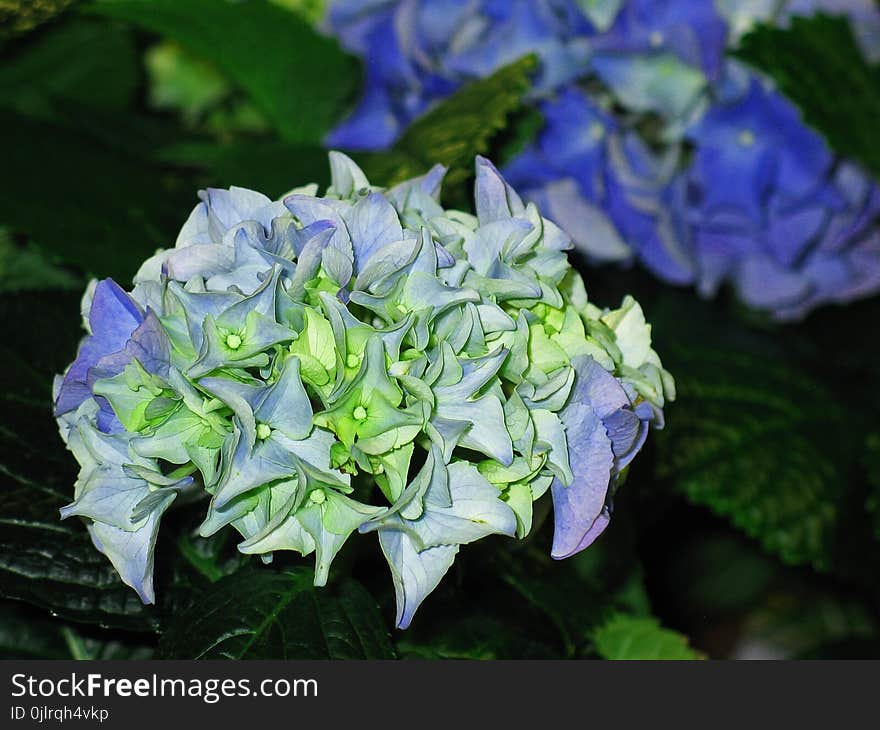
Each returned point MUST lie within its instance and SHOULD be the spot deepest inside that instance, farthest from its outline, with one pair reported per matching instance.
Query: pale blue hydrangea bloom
(358, 362)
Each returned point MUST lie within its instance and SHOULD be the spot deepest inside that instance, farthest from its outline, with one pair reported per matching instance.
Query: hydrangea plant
(653, 141)
(358, 362)
(762, 203)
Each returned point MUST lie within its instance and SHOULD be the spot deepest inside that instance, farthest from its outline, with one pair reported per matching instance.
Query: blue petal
(113, 317)
(577, 507)
(595, 397)
(372, 224)
(131, 552)
(415, 574)
(495, 199)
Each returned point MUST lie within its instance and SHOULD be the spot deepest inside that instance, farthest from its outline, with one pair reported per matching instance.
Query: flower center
(746, 138)
(233, 341)
(360, 413)
(317, 496)
(263, 431)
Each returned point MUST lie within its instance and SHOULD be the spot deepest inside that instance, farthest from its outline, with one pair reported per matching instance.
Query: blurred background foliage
(749, 528)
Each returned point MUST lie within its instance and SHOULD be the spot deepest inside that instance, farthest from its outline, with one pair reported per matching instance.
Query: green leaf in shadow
(264, 614)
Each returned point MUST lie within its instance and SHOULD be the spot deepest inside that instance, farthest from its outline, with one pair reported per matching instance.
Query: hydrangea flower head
(768, 207)
(762, 203)
(359, 362)
(654, 146)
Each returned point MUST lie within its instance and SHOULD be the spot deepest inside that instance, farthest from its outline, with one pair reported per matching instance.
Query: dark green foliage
(18, 17)
(817, 64)
(511, 600)
(77, 179)
(99, 208)
(260, 614)
(26, 637)
(63, 63)
(25, 634)
(57, 567)
(267, 165)
(47, 562)
(578, 594)
(300, 80)
(477, 637)
(754, 437)
(25, 266)
(214, 557)
(719, 575)
(752, 446)
(520, 131)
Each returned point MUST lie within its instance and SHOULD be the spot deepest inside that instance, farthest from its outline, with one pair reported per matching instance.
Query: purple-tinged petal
(764, 284)
(495, 199)
(577, 507)
(627, 433)
(596, 396)
(372, 223)
(114, 315)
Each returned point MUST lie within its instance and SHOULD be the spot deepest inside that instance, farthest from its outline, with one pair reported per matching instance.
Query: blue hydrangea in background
(767, 206)
(420, 52)
(728, 186)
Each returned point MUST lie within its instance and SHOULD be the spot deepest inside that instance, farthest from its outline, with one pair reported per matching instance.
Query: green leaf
(56, 566)
(262, 614)
(578, 594)
(753, 436)
(483, 635)
(817, 63)
(23, 636)
(179, 80)
(103, 648)
(311, 10)
(521, 130)
(26, 633)
(22, 16)
(64, 62)
(455, 130)
(637, 637)
(44, 561)
(212, 557)
(300, 80)
(26, 266)
(85, 202)
(270, 166)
